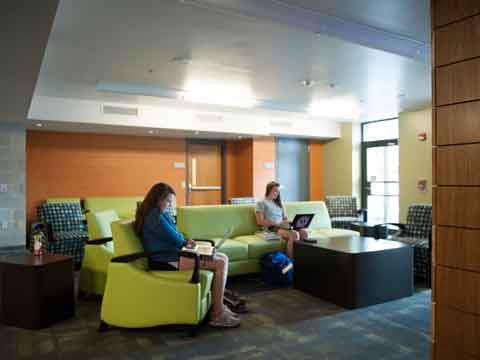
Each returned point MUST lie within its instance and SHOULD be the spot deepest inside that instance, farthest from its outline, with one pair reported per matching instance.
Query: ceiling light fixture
(38, 124)
(339, 108)
(308, 83)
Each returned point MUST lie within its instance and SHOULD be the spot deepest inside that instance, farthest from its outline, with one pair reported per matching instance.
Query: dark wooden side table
(36, 292)
(354, 271)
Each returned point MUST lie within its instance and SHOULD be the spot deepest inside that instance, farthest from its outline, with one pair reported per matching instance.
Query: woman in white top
(272, 216)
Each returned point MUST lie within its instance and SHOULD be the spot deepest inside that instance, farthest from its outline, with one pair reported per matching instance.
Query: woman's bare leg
(219, 266)
(303, 234)
(291, 236)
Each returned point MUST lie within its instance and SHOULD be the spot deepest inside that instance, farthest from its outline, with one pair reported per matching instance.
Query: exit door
(205, 173)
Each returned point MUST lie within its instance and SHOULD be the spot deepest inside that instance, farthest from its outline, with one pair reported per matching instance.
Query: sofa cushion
(206, 222)
(333, 233)
(321, 218)
(258, 246)
(235, 250)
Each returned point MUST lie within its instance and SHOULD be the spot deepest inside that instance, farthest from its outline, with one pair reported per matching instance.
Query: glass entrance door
(381, 180)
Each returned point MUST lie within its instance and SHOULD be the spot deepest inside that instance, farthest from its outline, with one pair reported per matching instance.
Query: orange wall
(239, 168)
(263, 152)
(316, 166)
(82, 165)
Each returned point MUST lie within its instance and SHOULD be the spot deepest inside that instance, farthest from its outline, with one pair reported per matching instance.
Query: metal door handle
(204, 187)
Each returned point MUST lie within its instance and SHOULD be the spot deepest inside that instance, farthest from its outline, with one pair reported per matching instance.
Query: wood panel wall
(263, 153)
(316, 166)
(456, 197)
(239, 163)
(83, 165)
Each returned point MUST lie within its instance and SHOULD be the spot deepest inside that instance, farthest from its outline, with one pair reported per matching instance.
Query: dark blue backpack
(273, 265)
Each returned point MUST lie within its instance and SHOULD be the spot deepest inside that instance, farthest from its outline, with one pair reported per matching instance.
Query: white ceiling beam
(320, 23)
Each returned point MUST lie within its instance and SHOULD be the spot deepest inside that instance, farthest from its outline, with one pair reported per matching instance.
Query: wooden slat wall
(456, 198)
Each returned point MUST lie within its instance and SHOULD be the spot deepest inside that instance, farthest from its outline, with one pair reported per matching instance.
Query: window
(380, 170)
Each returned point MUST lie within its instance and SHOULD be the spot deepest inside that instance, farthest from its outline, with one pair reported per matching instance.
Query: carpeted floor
(282, 324)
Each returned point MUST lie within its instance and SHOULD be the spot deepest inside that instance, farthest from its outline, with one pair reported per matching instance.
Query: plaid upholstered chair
(418, 233)
(343, 211)
(65, 229)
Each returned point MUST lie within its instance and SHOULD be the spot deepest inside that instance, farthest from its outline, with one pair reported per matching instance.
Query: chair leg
(103, 327)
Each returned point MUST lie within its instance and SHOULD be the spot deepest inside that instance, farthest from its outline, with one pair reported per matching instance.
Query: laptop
(301, 221)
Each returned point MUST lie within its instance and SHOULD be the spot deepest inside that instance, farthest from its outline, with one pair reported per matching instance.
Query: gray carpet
(282, 324)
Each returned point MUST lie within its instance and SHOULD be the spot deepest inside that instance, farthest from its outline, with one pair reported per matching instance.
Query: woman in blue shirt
(158, 232)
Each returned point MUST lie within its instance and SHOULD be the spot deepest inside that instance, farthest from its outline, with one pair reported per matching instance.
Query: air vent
(280, 123)
(209, 118)
(120, 110)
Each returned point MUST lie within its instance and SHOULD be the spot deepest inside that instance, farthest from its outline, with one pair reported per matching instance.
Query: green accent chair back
(212, 221)
(124, 206)
(136, 298)
(126, 241)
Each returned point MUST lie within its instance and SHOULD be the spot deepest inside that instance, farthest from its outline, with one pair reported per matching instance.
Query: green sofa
(244, 249)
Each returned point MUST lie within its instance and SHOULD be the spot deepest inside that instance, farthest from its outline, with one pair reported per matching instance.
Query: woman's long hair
(158, 192)
(268, 190)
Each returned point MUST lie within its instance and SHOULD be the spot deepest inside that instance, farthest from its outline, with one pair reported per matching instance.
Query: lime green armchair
(98, 252)
(136, 297)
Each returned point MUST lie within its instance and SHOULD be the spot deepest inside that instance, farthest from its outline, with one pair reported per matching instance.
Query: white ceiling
(133, 42)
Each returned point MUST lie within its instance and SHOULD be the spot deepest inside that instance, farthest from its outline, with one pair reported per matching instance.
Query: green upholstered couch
(244, 248)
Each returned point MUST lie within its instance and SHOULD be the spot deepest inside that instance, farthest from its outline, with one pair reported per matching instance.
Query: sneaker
(224, 320)
(229, 311)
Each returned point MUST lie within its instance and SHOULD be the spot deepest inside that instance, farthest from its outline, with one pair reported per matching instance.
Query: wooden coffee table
(354, 271)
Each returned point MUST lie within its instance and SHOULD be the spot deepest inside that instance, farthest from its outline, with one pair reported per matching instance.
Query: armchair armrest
(98, 241)
(363, 213)
(401, 227)
(132, 257)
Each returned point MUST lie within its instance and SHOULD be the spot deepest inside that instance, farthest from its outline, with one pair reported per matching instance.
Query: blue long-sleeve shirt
(161, 234)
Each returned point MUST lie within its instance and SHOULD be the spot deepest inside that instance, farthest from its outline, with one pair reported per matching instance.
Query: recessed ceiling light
(150, 131)
(197, 132)
(38, 124)
(307, 83)
(239, 137)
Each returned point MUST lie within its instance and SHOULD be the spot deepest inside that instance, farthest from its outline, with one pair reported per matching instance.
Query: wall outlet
(3, 188)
